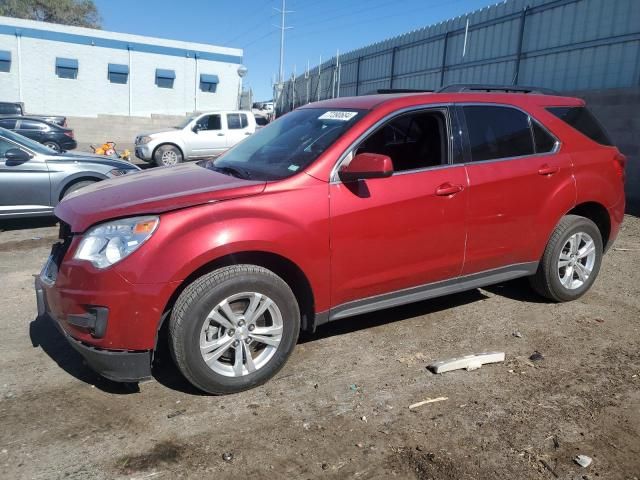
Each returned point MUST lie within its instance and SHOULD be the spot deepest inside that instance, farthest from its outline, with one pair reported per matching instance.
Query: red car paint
(404, 231)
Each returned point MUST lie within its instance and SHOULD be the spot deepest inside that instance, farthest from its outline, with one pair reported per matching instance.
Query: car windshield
(26, 142)
(184, 123)
(287, 145)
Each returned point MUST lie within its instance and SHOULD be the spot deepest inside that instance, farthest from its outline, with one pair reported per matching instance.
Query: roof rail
(403, 90)
(478, 87)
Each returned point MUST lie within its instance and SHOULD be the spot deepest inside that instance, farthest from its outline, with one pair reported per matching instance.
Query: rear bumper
(120, 366)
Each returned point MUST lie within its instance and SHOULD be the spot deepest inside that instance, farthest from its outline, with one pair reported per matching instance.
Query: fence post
(393, 66)
(357, 76)
(444, 58)
(523, 19)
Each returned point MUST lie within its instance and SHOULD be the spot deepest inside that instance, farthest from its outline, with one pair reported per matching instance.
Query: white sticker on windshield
(293, 168)
(335, 115)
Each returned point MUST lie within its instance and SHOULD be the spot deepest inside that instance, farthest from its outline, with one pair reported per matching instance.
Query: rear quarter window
(582, 120)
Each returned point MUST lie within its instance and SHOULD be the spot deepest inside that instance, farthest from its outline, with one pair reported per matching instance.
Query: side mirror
(16, 156)
(196, 128)
(366, 165)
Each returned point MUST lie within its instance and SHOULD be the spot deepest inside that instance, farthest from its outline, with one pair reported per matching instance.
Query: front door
(24, 186)
(407, 230)
(209, 138)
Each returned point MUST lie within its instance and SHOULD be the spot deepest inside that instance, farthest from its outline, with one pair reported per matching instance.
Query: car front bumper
(117, 365)
(144, 152)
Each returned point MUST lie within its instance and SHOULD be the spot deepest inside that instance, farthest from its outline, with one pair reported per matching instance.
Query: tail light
(69, 133)
(620, 162)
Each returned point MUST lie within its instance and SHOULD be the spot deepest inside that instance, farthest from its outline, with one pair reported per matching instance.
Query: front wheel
(53, 146)
(167, 156)
(571, 260)
(234, 328)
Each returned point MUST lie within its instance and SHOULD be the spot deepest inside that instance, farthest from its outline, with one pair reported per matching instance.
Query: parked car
(57, 138)
(34, 178)
(12, 109)
(339, 208)
(205, 135)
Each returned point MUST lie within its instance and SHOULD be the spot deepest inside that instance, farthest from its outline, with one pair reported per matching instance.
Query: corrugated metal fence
(559, 44)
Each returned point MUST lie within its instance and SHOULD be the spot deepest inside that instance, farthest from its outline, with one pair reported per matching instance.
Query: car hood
(91, 158)
(152, 191)
(159, 132)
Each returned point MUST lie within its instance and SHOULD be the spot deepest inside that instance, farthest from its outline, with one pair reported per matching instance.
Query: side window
(233, 121)
(210, 122)
(498, 132)
(243, 120)
(544, 142)
(412, 141)
(582, 120)
(31, 125)
(7, 123)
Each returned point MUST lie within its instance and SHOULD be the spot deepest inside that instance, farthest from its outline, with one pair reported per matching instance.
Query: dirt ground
(339, 409)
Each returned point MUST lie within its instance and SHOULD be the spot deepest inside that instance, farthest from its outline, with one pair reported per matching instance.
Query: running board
(430, 290)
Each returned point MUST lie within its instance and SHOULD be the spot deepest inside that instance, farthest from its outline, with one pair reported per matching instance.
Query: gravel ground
(339, 409)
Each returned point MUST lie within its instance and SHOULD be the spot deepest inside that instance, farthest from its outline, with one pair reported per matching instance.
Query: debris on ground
(517, 334)
(536, 356)
(353, 387)
(428, 400)
(227, 456)
(363, 418)
(546, 465)
(468, 362)
(583, 460)
(412, 359)
(176, 413)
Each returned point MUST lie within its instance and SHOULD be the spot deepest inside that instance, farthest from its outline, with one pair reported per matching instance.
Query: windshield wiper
(233, 171)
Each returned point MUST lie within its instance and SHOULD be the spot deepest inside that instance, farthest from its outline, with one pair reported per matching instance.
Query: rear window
(582, 120)
(10, 109)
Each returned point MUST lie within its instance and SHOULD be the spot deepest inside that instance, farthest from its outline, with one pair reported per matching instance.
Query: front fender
(60, 181)
(189, 239)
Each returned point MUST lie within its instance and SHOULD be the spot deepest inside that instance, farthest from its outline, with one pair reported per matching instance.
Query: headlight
(110, 242)
(143, 140)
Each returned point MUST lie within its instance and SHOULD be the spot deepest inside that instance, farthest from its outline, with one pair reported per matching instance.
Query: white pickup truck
(204, 135)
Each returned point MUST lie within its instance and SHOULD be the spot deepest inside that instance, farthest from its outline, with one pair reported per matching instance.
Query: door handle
(547, 170)
(247, 133)
(221, 134)
(447, 189)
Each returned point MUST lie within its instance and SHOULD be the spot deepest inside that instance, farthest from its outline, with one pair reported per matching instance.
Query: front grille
(58, 251)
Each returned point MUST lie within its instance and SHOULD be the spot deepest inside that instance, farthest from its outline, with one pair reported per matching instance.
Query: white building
(63, 70)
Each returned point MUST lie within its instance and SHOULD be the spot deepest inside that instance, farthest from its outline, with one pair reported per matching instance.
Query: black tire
(52, 145)
(75, 187)
(196, 302)
(167, 155)
(546, 281)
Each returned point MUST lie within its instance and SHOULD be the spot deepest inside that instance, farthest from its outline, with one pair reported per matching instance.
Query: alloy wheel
(241, 334)
(576, 261)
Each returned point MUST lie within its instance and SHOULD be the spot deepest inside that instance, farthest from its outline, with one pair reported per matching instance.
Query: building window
(67, 67)
(5, 61)
(165, 78)
(118, 73)
(208, 83)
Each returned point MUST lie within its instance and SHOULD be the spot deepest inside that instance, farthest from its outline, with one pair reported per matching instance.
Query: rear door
(237, 128)
(30, 128)
(514, 170)
(210, 138)
(24, 186)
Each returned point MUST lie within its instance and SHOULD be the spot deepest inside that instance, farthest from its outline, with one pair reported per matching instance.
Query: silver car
(34, 178)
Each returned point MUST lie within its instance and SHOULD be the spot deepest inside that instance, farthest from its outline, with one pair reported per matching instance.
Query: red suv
(336, 209)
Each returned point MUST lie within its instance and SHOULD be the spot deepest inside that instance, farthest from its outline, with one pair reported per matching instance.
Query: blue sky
(320, 27)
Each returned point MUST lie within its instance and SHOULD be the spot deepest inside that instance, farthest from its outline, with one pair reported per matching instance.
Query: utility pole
(283, 12)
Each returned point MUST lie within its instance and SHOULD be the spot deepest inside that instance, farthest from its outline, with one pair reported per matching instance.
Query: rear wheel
(571, 260)
(234, 328)
(167, 156)
(53, 146)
